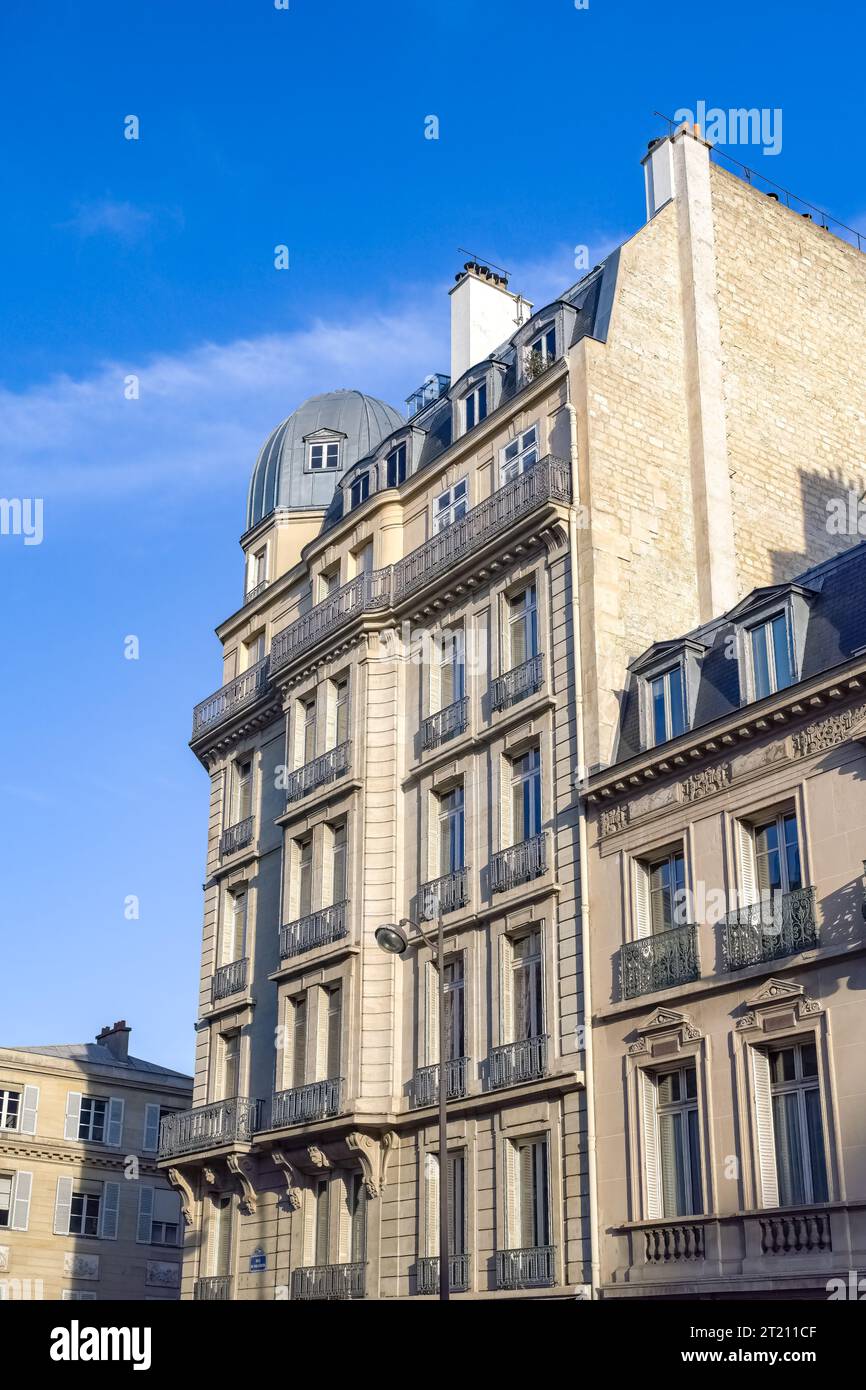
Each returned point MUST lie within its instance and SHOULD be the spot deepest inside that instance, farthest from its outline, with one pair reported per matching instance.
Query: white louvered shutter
(150, 1142)
(29, 1109)
(767, 1174)
(649, 1117)
(431, 1193)
(109, 1209)
(114, 1128)
(73, 1115)
(431, 1013)
(21, 1190)
(506, 990)
(643, 925)
(145, 1215)
(748, 872)
(62, 1206)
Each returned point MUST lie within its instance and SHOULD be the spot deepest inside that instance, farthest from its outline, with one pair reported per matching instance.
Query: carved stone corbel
(291, 1175)
(318, 1158)
(373, 1155)
(187, 1196)
(243, 1169)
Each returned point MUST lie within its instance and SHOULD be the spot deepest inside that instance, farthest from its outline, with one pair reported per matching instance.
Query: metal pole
(444, 1261)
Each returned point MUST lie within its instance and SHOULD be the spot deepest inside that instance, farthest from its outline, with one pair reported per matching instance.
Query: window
(475, 406)
(451, 505)
(322, 1214)
(243, 789)
(451, 831)
(530, 1211)
(338, 870)
(84, 1214)
(455, 1011)
(360, 490)
(329, 582)
(333, 1030)
(772, 662)
(452, 667)
(10, 1102)
(308, 729)
(254, 650)
(298, 1024)
(324, 456)
(679, 1141)
(304, 862)
(235, 938)
(356, 1202)
(519, 456)
(6, 1180)
(661, 894)
(341, 711)
(798, 1128)
(396, 466)
(221, 1236)
(777, 856)
(165, 1223)
(258, 568)
(527, 986)
(364, 559)
(92, 1119)
(543, 348)
(526, 796)
(455, 1169)
(231, 1065)
(667, 705)
(522, 611)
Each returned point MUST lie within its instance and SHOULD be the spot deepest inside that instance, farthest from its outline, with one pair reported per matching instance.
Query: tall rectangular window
(667, 704)
(308, 729)
(798, 1128)
(364, 559)
(243, 790)
(339, 851)
(359, 490)
(777, 856)
(475, 406)
(84, 1214)
(526, 796)
(10, 1105)
(6, 1180)
(334, 1029)
(322, 1242)
(451, 832)
(452, 667)
(666, 905)
(519, 456)
(532, 1195)
(543, 347)
(455, 1007)
(258, 568)
(356, 1201)
(341, 711)
(772, 660)
(221, 1236)
(231, 1065)
(304, 862)
(298, 1023)
(254, 650)
(455, 1171)
(235, 942)
(527, 986)
(522, 626)
(451, 505)
(395, 466)
(92, 1119)
(679, 1141)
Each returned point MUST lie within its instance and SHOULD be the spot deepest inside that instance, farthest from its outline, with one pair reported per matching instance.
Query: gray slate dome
(281, 477)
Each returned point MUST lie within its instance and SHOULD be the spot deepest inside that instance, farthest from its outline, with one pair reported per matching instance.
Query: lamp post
(392, 938)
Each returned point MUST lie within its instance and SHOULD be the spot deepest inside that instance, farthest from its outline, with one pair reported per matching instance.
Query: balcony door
(451, 831)
(231, 1065)
(455, 1170)
(221, 1236)
(527, 986)
(242, 807)
(522, 626)
(773, 858)
(526, 796)
(235, 931)
(529, 1211)
(798, 1127)
(661, 894)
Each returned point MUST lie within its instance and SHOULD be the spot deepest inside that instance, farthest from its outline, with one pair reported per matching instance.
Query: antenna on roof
(483, 260)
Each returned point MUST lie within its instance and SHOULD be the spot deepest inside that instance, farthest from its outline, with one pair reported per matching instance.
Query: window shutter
(21, 1189)
(431, 1192)
(114, 1128)
(431, 1011)
(331, 715)
(73, 1114)
(145, 1215)
(650, 1145)
(29, 1109)
(434, 694)
(151, 1128)
(512, 1195)
(109, 1210)
(748, 872)
(506, 775)
(643, 926)
(769, 1182)
(432, 837)
(62, 1206)
(506, 994)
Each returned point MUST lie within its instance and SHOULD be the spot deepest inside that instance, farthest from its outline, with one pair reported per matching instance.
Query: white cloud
(105, 215)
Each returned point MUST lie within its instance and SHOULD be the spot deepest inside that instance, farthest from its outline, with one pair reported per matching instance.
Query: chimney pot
(484, 314)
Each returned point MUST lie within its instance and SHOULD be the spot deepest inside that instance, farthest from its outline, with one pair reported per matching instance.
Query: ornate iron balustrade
(215, 1287)
(318, 773)
(796, 1233)
(329, 1281)
(514, 685)
(364, 594)
(525, 1060)
(229, 979)
(318, 929)
(777, 926)
(659, 961)
(548, 481)
(208, 1126)
(674, 1244)
(445, 723)
(427, 1273)
(451, 891)
(256, 590)
(303, 1104)
(425, 1083)
(533, 1267)
(518, 864)
(236, 837)
(245, 689)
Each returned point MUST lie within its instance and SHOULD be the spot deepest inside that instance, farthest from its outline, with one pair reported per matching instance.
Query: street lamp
(392, 937)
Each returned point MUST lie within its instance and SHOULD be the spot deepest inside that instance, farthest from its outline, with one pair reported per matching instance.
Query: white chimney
(484, 313)
(658, 165)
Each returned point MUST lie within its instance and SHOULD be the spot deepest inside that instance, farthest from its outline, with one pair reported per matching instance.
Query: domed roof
(281, 477)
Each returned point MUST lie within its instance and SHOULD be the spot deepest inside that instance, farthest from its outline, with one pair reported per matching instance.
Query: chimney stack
(116, 1039)
(484, 313)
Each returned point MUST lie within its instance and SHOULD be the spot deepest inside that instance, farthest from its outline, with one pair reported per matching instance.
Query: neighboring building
(438, 618)
(727, 902)
(85, 1212)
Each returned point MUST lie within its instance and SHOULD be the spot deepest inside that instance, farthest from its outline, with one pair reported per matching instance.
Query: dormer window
(359, 490)
(475, 406)
(669, 677)
(518, 456)
(396, 466)
(322, 457)
(541, 352)
(667, 704)
(771, 626)
(770, 648)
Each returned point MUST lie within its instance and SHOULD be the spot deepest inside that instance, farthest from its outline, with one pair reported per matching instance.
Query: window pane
(761, 662)
(792, 854)
(660, 729)
(815, 1135)
(781, 652)
(789, 1151)
(677, 707)
(673, 1164)
(697, 1202)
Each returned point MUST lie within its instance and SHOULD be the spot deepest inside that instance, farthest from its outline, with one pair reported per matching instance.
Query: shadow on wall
(830, 511)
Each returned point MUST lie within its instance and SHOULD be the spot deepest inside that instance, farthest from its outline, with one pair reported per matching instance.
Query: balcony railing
(304, 1104)
(236, 837)
(674, 1244)
(318, 929)
(245, 689)
(549, 480)
(427, 1273)
(329, 1281)
(430, 390)
(364, 594)
(518, 864)
(530, 1268)
(208, 1126)
(447, 893)
(518, 1061)
(318, 773)
(659, 961)
(526, 679)
(229, 979)
(444, 724)
(425, 1083)
(217, 1287)
(764, 931)
(256, 590)
(796, 1233)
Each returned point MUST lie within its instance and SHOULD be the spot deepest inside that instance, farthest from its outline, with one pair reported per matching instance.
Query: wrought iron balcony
(657, 962)
(365, 593)
(525, 1060)
(425, 1083)
(533, 1267)
(244, 690)
(427, 1273)
(451, 891)
(208, 1126)
(304, 1104)
(236, 837)
(256, 590)
(674, 1243)
(318, 929)
(515, 685)
(519, 863)
(229, 979)
(329, 1281)
(444, 724)
(778, 926)
(795, 1233)
(548, 481)
(318, 773)
(217, 1287)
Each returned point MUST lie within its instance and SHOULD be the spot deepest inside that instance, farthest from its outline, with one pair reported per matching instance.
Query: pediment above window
(665, 1034)
(778, 1006)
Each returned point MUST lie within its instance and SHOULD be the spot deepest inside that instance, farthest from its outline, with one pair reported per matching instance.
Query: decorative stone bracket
(373, 1155)
(292, 1178)
(187, 1196)
(243, 1169)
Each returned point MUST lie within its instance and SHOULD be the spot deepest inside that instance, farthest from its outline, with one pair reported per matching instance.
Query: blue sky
(154, 257)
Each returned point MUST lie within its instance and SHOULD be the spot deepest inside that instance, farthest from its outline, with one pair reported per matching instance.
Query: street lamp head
(391, 938)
